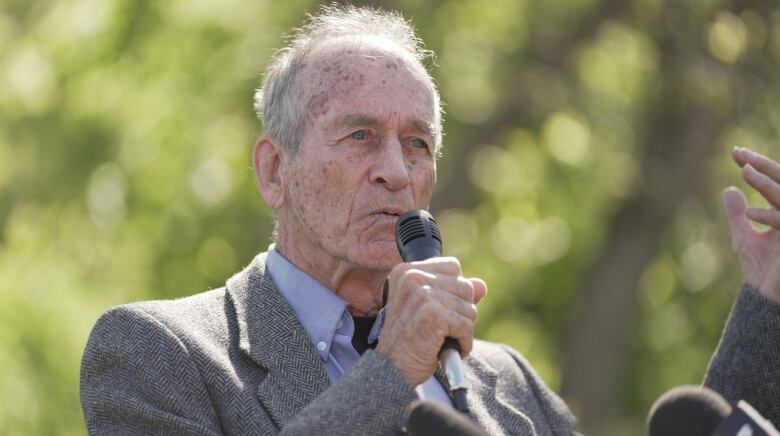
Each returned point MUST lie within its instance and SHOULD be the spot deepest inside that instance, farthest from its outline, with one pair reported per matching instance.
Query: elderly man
(352, 128)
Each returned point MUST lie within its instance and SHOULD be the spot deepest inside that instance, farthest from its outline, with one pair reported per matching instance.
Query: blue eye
(419, 143)
(360, 134)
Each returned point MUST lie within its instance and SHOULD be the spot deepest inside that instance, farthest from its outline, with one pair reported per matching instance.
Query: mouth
(390, 212)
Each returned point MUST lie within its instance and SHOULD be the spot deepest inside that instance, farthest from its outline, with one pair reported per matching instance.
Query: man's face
(367, 154)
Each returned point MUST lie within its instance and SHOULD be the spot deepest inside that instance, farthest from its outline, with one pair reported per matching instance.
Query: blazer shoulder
(138, 372)
(505, 360)
(190, 310)
(497, 356)
(204, 313)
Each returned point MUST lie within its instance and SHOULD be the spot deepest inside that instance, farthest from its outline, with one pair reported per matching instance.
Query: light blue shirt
(327, 322)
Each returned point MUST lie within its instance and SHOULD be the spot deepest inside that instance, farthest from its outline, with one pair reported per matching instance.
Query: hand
(758, 252)
(427, 302)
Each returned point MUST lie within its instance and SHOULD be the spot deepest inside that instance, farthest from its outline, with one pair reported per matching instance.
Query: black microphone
(687, 410)
(432, 418)
(418, 238)
(700, 411)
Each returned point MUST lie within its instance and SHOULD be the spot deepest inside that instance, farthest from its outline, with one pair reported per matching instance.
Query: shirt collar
(317, 308)
(373, 336)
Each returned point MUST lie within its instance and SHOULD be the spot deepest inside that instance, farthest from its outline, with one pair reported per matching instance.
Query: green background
(586, 147)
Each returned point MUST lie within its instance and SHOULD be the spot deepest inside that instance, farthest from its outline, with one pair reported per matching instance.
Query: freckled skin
(335, 182)
(365, 150)
(319, 103)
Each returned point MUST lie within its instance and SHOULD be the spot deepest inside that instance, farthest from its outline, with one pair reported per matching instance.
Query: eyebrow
(358, 120)
(427, 128)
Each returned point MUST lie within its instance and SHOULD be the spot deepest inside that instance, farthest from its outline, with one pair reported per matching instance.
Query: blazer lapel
(271, 335)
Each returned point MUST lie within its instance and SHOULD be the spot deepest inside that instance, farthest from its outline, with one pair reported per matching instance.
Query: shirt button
(321, 345)
(340, 324)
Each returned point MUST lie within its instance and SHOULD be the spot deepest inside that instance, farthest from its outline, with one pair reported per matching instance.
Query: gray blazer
(235, 360)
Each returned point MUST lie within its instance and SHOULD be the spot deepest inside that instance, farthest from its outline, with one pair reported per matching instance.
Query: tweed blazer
(236, 361)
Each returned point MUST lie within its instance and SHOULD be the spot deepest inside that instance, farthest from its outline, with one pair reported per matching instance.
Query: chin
(379, 255)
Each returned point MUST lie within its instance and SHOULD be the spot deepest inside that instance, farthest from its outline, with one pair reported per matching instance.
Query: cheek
(325, 188)
(326, 182)
(423, 173)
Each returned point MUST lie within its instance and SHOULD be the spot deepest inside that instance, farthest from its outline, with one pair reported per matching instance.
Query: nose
(390, 169)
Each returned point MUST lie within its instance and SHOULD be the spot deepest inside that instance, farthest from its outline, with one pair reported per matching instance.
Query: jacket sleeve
(126, 373)
(746, 364)
(370, 399)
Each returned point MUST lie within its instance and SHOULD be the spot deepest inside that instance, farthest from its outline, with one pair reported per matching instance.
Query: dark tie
(363, 326)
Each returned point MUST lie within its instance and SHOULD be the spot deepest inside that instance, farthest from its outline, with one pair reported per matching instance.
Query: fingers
(770, 217)
(760, 172)
(441, 265)
(434, 316)
(462, 329)
(764, 165)
(452, 293)
(435, 295)
(480, 289)
(769, 188)
(735, 207)
(443, 309)
(440, 272)
(414, 278)
(433, 267)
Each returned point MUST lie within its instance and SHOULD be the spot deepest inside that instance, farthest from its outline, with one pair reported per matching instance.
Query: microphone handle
(418, 238)
(449, 356)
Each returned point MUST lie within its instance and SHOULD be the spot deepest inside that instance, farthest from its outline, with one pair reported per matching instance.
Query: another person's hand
(428, 301)
(758, 251)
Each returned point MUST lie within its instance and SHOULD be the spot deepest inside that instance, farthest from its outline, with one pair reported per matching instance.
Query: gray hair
(281, 103)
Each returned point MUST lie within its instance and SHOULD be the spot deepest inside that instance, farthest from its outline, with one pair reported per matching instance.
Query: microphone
(418, 238)
(432, 418)
(700, 411)
(687, 410)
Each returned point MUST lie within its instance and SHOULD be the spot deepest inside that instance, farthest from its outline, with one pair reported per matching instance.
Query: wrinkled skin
(368, 155)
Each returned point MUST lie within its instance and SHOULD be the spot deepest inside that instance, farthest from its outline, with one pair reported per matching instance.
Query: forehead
(367, 76)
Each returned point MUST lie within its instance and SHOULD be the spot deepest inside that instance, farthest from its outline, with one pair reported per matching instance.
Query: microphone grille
(412, 228)
(434, 229)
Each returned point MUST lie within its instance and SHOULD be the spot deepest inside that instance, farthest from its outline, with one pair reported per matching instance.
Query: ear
(267, 159)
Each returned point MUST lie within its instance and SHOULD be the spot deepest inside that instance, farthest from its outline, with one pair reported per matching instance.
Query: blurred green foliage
(126, 130)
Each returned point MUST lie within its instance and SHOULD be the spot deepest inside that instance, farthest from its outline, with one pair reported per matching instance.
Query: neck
(360, 286)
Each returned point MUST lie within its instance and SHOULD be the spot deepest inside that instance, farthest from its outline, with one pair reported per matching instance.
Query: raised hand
(758, 251)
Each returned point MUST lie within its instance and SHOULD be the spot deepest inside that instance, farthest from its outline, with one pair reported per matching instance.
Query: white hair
(282, 101)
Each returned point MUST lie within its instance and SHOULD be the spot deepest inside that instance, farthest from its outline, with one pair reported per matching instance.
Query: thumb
(735, 206)
(480, 289)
